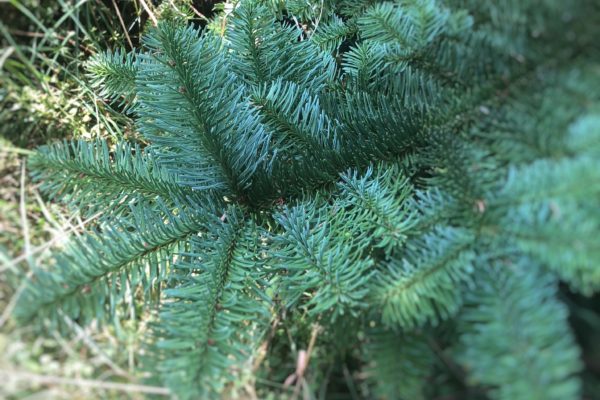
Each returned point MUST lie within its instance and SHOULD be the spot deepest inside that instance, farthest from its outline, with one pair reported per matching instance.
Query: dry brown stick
(178, 10)
(149, 12)
(301, 369)
(198, 13)
(122, 24)
(228, 7)
(262, 350)
(313, 339)
(82, 383)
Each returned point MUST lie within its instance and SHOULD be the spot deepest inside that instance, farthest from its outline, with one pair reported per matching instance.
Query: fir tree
(415, 177)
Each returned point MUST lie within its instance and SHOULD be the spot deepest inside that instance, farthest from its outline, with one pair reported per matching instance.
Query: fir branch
(329, 36)
(561, 235)
(583, 137)
(424, 286)
(380, 204)
(212, 321)
(217, 159)
(400, 363)
(89, 175)
(263, 51)
(303, 134)
(375, 127)
(113, 74)
(324, 271)
(97, 271)
(435, 207)
(420, 112)
(516, 337)
(249, 32)
(297, 117)
(412, 25)
(569, 178)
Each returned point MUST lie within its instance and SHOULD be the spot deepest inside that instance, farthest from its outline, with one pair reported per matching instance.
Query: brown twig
(82, 383)
(198, 13)
(262, 350)
(318, 18)
(303, 361)
(228, 10)
(177, 8)
(122, 24)
(149, 12)
(45, 212)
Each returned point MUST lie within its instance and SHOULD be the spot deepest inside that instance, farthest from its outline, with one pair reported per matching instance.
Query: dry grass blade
(89, 342)
(122, 24)
(198, 13)
(48, 244)
(150, 13)
(7, 52)
(23, 212)
(38, 379)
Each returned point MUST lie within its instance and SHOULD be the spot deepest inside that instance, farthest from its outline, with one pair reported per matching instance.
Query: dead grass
(44, 96)
(87, 362)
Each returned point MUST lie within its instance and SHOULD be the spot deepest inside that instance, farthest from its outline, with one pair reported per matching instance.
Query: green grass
(44, 96)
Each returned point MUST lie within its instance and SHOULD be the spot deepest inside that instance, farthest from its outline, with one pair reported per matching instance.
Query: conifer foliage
(405, 182)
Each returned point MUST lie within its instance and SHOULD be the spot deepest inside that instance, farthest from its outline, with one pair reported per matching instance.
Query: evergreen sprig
(513, 341)
(106, 267)
(349, 194)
